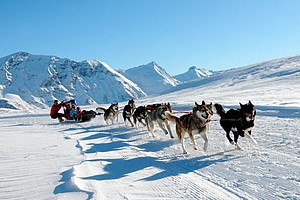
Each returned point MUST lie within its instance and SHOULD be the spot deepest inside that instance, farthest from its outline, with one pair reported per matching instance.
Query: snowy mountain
(192, 74)
(277, 80)
(37, 80)
(151, 78)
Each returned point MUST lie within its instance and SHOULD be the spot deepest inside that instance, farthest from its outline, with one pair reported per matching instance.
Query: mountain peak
(193, 73)
(150, 75)
(192, 68)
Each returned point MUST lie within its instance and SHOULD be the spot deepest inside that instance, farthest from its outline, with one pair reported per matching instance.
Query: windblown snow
(44, 159)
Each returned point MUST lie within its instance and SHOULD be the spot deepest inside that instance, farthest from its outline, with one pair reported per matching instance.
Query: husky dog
(139, 114)
(158, 115)
(195, 123)
(110, 113)
(128, 111)
(238, 121)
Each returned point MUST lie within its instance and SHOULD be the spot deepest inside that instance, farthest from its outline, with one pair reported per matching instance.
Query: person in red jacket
(54, 112)
(67, 110)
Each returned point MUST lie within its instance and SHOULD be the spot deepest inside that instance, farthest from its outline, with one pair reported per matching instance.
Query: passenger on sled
(67, 110)
(73, 112)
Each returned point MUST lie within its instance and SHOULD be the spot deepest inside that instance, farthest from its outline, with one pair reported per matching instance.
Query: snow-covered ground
(42, 159)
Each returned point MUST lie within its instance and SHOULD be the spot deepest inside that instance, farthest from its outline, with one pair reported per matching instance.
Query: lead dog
(111, 113)
(195, 123)
(157, 114)
(238, 121)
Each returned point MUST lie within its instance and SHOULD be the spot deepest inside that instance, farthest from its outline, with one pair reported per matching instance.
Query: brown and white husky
(194, 123)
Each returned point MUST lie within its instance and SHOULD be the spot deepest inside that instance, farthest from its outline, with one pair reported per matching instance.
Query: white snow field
(43, 159)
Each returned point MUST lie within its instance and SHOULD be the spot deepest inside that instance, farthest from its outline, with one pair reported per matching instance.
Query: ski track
(118, 162)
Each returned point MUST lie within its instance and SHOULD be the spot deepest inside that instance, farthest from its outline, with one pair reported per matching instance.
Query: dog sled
(71, 112)
(85, 116)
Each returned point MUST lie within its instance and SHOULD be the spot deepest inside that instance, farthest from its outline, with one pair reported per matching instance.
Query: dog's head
(201, 111)
(211, 108)
(142, 111)
(249, 111)
(131, 103)
(161, 111)
(115, 106)
(168, 106)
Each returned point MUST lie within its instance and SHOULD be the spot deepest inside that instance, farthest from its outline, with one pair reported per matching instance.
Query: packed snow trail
(127, 163)
(119, 165)
(42, 159)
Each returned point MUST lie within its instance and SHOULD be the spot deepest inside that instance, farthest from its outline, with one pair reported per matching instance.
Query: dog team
(238, 121)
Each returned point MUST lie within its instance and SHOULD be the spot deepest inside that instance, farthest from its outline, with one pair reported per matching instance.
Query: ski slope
(42, 159)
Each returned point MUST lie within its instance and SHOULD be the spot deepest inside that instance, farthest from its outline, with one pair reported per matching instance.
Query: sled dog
(128, 112)
(238, 121)
(110, 113)
(195, 123)
(157, 114)
(139, 115)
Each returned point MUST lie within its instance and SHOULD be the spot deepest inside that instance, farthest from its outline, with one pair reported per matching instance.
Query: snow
(44, 159)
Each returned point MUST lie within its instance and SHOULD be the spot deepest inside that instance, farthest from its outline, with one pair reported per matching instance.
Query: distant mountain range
(38, 80)
(276, 82)
(33, 81)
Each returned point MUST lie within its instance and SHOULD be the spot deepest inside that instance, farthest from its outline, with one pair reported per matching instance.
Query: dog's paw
(238, 147)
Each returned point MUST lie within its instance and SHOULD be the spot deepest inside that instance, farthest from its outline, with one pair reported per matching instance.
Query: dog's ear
(241, 105)
(203, 102)
(196, 103)
(250, 103)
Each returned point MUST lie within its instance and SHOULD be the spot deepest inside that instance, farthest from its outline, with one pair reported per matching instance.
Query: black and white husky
(156, 114)
(128, 111)
(238, 121)
(139, 115)
(111, 113)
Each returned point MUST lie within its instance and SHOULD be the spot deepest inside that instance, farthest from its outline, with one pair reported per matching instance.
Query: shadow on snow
(118, 168)
(68, 185)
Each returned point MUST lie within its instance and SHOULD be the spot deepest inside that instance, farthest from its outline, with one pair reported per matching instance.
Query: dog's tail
(220, 109)
(172, 118)
(101, 108)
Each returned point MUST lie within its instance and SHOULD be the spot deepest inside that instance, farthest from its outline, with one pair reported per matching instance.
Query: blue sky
(176, 34)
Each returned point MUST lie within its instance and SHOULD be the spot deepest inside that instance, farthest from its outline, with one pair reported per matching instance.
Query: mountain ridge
(151, 78)
(193, 73)
(38, 80)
